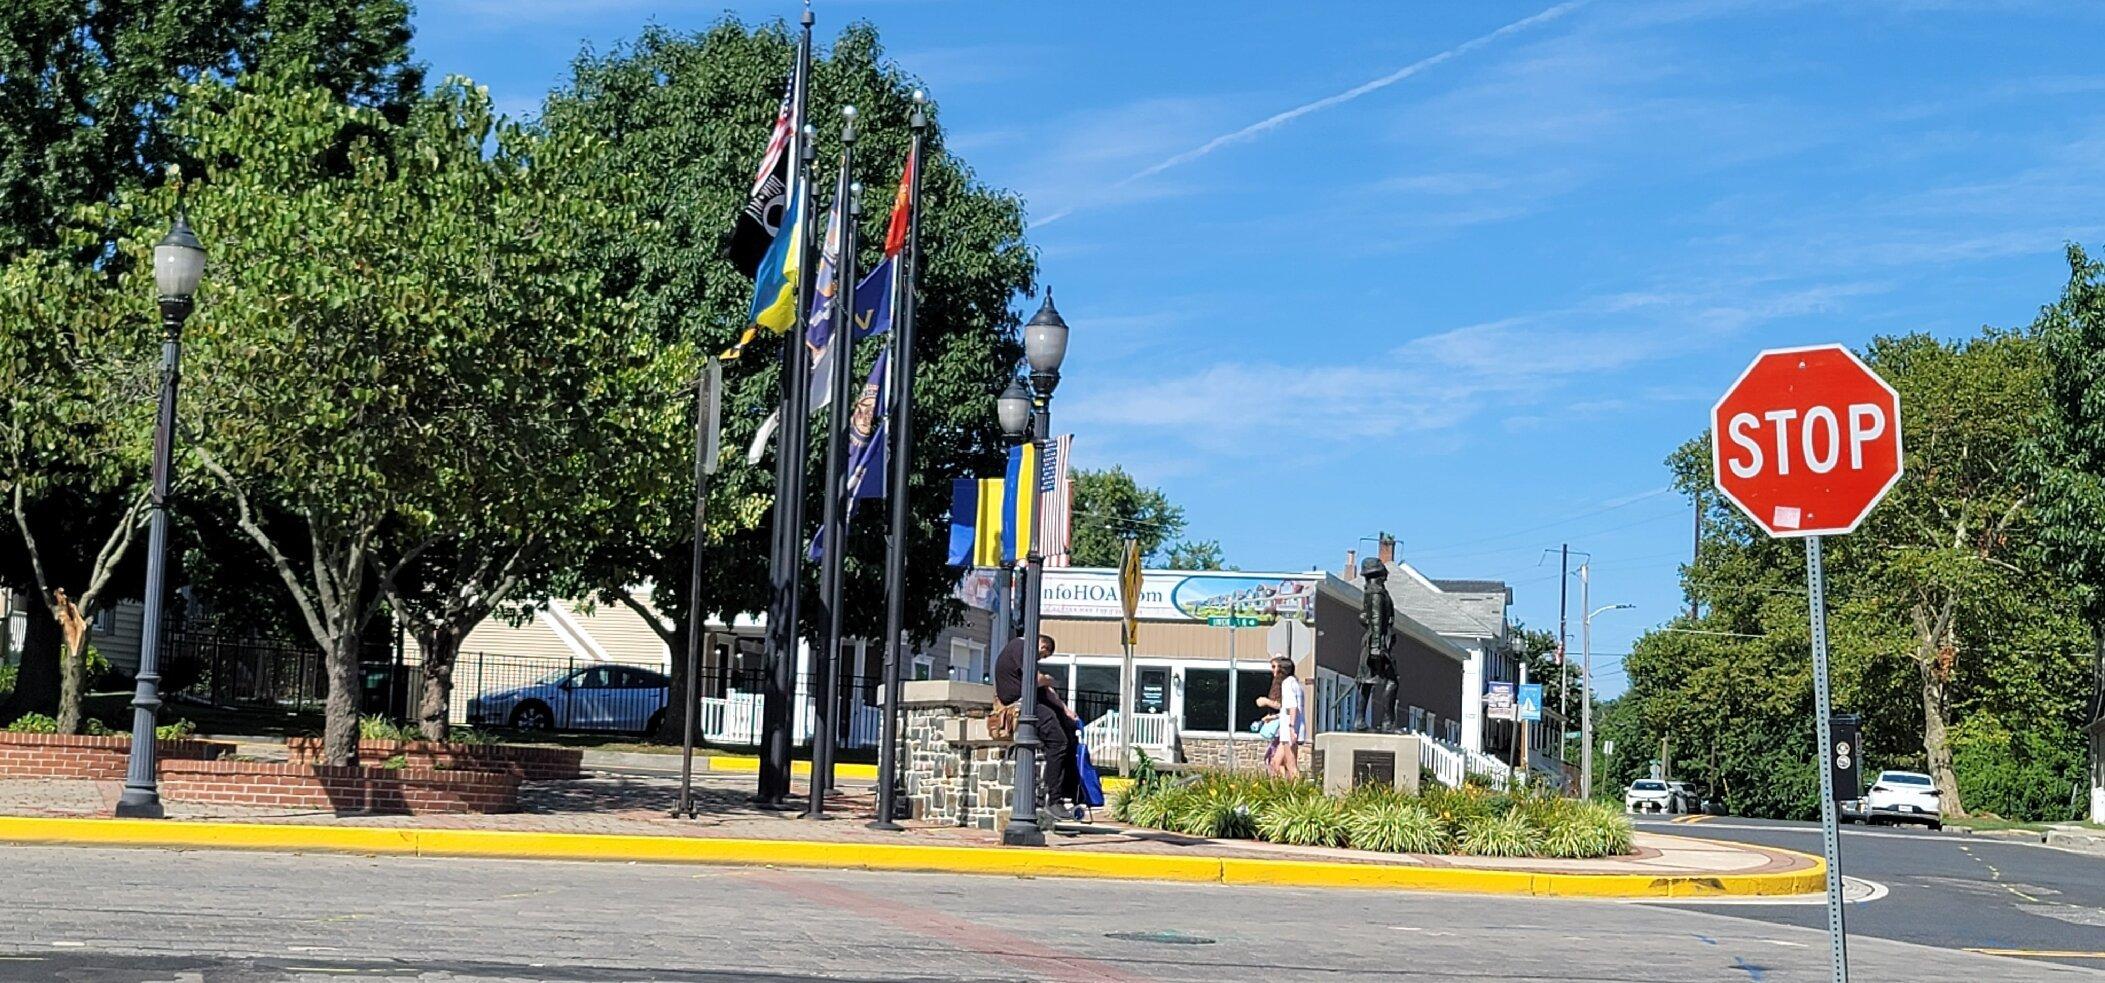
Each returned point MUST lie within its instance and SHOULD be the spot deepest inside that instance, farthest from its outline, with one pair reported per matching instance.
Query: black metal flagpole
(840, 344)
(786, 562)
(898, 460)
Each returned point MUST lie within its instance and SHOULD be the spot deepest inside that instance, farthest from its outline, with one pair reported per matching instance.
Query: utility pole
(1586, 681)
(1563, 673)
(1695, 552)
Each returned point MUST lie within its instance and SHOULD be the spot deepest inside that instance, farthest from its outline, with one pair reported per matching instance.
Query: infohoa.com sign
(1179, 595)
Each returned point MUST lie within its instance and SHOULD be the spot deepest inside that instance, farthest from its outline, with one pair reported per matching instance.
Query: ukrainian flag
(1019, 525)
(775, 284)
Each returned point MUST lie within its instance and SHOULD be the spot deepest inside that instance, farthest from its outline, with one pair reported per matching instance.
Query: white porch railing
(1152, 733)
(735, 719)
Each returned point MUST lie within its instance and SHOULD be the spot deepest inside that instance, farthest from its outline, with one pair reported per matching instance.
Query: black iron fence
(493, 689)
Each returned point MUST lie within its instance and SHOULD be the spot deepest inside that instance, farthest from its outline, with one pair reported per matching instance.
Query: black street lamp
(1044, 347)
(178, 265)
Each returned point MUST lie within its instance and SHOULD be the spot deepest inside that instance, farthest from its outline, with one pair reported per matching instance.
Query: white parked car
(1648, 795)
(1902, 797)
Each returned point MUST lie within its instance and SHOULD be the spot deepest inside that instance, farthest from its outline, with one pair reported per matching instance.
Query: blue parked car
(601, 697)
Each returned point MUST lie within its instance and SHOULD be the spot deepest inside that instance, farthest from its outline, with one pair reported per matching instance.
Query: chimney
(1388, 548)
(1351, 564)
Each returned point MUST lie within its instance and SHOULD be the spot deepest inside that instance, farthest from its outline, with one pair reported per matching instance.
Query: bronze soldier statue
(1377, 672)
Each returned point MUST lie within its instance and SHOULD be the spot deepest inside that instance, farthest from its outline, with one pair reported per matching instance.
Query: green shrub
(1507, 835)
(468, 735)
(1395, 824)
(95, 728)
(1303, 820)
(175, 731)
(8, 674)
(33, 723)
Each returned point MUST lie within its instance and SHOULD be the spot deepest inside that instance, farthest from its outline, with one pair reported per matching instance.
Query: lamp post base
(1022, 834)
(884, 825)
(140, 806)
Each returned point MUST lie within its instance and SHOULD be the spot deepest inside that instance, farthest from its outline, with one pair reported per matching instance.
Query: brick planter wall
(534, 764)
(323, 788)
(78, 756)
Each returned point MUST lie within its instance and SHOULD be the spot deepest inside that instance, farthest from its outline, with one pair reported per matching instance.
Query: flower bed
(1466, 821)
(347, 789)
(533, 764)
(96, 758)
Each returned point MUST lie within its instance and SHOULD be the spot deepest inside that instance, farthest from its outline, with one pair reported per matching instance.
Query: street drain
(1160, 938)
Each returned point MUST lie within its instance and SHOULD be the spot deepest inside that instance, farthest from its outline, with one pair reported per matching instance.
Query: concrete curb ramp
(889, 857)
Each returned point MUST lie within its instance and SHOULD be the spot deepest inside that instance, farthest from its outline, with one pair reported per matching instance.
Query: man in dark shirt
(1055, 752)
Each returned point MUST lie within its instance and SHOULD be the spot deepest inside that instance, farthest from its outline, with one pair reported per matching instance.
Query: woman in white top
(1283, 758)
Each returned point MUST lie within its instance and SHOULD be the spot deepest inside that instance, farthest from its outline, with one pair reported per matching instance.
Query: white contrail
(1279, 119)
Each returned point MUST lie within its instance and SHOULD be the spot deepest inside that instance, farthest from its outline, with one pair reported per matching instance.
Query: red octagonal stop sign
(1807, 440)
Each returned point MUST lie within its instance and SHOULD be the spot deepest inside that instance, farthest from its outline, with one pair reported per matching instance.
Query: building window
(968, 661)
(1095, 692)
(1206, 698)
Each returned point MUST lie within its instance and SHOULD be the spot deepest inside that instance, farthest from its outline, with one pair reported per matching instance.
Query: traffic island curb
(1000, 861)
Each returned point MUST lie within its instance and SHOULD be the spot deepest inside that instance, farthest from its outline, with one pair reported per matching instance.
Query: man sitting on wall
(1055, 751)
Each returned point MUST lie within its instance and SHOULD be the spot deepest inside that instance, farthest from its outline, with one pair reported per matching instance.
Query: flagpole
(786, 564)
(898, 460)
(840, 344)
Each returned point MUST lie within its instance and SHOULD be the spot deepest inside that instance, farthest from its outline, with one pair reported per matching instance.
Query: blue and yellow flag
(1019, 524)
(775, 285)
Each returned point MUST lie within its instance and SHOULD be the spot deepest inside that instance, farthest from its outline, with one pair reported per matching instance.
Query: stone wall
(954, 772)
(1211, 753)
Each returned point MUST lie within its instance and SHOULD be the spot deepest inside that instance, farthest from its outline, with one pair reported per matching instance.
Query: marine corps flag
(761, 219)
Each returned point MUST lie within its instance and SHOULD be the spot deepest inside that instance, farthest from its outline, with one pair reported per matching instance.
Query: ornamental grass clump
(1304, 820)
(1505, 835)
(1395, 824)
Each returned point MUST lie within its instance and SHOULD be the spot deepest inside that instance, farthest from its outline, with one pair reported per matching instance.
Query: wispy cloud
(1279, 119)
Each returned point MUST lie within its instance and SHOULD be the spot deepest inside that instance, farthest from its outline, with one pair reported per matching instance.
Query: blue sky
(1491, 261)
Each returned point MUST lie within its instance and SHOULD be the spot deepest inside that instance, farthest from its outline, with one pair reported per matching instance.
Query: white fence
(736, 719)
(1152, 732)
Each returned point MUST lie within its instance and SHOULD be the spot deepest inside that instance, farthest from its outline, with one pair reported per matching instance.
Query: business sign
(1164, 595)
(1531, 702)
(1498, 699)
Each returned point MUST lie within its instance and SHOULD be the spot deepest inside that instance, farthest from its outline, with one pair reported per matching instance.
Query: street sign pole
(1232, 705)
(1830, 838)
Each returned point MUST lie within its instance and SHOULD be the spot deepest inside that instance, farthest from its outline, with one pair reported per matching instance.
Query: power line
(1451, 547)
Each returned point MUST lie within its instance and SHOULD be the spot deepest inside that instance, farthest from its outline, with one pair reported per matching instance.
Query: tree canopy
(1951, 635)
(1109, 506)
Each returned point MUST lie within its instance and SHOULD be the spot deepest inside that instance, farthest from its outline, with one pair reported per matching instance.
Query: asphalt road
(1948, 890)
(100, 916)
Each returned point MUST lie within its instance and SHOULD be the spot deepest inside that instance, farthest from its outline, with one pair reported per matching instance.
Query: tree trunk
(434, 708)
(73, 661)
(340, 712)
(1936, 744)
(672, 729)
(37, 679)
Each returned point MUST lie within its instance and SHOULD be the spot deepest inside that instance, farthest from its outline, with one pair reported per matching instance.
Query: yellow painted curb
(748, 765)
(887, 856)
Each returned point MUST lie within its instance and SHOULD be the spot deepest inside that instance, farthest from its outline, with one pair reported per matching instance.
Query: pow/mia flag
(761, 218)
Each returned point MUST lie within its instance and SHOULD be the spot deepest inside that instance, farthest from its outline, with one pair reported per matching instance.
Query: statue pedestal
(1351, 759)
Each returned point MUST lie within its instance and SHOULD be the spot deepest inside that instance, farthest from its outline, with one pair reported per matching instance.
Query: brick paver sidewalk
(633, 805)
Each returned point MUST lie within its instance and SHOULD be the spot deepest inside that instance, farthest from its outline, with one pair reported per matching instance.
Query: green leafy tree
(684, 118)
(2069, 465)
(393, 368)
(87, 89)
(1950, 635)
(1110, 506)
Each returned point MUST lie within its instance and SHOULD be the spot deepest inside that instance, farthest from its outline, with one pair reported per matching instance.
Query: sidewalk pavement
(627, 818)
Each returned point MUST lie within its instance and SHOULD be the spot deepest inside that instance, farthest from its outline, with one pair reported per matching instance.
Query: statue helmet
(1372, 568)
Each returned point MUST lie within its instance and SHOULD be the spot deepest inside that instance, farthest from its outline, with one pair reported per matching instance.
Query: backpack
(1001, 721)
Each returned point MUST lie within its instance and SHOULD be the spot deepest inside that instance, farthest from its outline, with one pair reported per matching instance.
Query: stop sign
(1807, 440)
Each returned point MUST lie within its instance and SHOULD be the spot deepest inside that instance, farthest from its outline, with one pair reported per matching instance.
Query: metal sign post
(1830, 837)
(708, 446)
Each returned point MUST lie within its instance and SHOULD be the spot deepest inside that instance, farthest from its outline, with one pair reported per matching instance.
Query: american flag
(1056, 504)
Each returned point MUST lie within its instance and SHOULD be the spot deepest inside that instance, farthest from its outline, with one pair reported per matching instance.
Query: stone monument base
(1351, 758)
